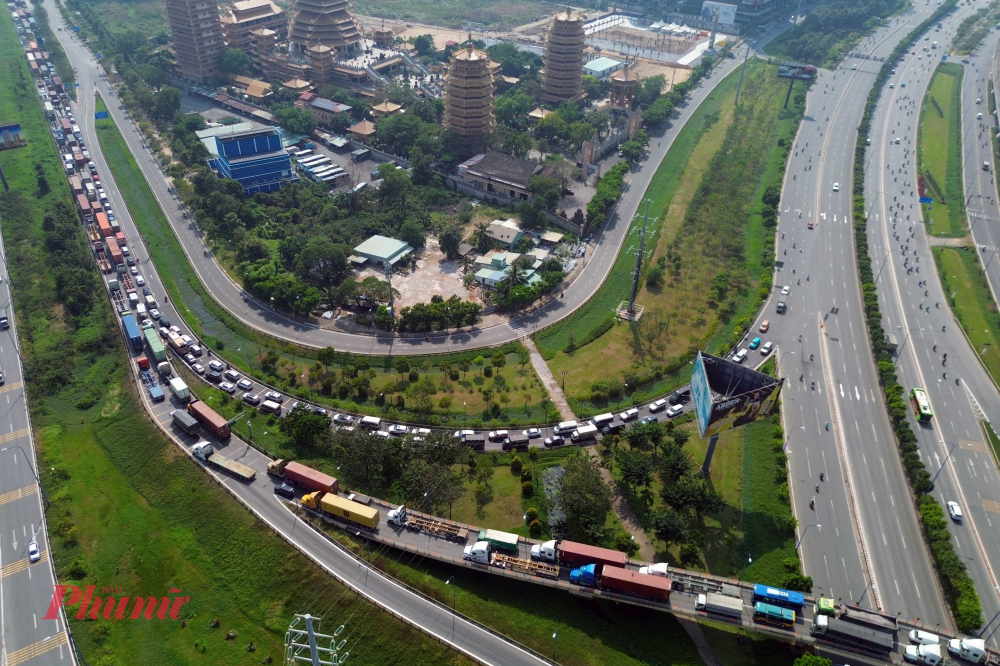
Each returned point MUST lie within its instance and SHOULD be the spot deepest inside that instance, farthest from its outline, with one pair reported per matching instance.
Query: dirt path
(548, 379)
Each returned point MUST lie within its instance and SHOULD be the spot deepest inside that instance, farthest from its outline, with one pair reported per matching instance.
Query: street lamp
(816, 525)
(555, 642)
(943, 463)
(250, 427)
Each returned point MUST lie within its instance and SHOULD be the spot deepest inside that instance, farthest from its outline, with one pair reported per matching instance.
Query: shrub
(531, 514)
(99, 632)
(487, 371)
(690, 553)
(527, 489)
(413, 376)
(516, 465)
(535, 528)
(77, 569)
(526, 474)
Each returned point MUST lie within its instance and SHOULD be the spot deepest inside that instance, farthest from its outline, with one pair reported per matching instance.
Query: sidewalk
(551, 385)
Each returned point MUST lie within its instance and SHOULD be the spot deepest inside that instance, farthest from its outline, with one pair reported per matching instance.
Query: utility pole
(638, 262)
(388, 278)
(743, 71)
(310, 652)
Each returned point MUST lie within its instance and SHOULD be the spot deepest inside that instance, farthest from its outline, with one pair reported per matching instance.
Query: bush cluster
(606, 195)
(958, 586)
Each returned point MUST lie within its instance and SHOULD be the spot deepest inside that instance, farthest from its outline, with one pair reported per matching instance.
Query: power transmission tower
(629, 311)
(310, 652)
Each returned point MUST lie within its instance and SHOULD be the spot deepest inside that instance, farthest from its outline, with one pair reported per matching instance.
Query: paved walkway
(693, 630)
(548, 379)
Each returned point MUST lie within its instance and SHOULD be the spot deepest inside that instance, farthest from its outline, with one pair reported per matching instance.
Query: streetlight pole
(555, 642)
(816, 525)
(943, 463)
(454, 603)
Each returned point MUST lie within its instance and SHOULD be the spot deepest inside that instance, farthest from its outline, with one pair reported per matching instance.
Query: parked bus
(309, 161)
(321, 162)
(778, 597)
(302, 153)
(921, 404)
(773, 615)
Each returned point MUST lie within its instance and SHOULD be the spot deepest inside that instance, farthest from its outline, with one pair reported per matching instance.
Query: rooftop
(324, 104)
(501, 167)
(258, 156)
(363, 128)
(601, 64)
(382, 249)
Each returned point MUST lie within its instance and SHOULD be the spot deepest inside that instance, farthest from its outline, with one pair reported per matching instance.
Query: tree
(236, 61)
(636, 468)
(689, 492)
(482, 239)
(421, 165)
(413, 233)
(675, 463)
(592, 87)
(516, 276)
(498, 360)
(168, 103)
(670, 526)
(322, 261)
(631, 150)
(424, 44)
(295, 120)
(305, 430)
(449, 239)
(579, 133)
(586, 498)
(327, 356)
(363, 456)
(399, 132)
(809, 659)
(479, 362)
(402, 366)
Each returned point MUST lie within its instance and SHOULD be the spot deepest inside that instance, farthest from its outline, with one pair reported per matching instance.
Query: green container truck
(500, 540)
(154, 343)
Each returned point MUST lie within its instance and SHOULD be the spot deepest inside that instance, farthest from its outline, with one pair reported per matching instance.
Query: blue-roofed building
(255, 159)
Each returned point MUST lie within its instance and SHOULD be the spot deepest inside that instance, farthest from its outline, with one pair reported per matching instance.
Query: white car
(154, 313)
(140, 281)
(676, 410)
(243, 384)
(228, 387)
(497, 435)
(629, 414)
(836, 187)
(175, 330)
(767, 348)
(462, 434)
(785, 290)
(955, 511)
(33, 553)
(658, 405)
(198, 368)
(532, 433)
(398, 429)
(741, 356)
(134, 270)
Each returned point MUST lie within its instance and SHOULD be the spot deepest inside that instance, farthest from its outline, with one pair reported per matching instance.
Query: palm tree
(480, 234)
(466, 263)
(516, 276)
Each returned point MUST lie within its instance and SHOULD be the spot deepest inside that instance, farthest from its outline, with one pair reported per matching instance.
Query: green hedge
(958, 586)
(595, 333)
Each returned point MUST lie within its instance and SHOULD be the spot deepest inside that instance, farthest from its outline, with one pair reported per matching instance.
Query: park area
(940, 153)
(709, 266)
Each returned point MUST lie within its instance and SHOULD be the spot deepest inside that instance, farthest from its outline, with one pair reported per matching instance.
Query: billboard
(11, 136)
(717, 12)
(796, 72)
(727, 395)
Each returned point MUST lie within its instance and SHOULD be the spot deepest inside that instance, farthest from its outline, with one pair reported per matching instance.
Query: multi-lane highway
(229, 294)
(26, 587)
(932, 353)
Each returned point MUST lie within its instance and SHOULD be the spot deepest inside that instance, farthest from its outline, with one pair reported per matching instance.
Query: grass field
(649, 357)
(149, 18)
(494, 14)
(753, 650)
(295, 371)
(940, 152)
(972, 302)
(127, 508)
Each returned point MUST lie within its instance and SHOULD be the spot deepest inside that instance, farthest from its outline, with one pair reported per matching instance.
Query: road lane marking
(47, 644)
(22, 565)
(14, 434)
(968, 445)
(27, 491)
(990, 505)
(13, 386)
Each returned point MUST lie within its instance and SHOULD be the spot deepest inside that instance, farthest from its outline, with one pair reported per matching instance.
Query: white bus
(321, 162)
(334, 176)
(308, 161)
(303, 153)
(323, 173)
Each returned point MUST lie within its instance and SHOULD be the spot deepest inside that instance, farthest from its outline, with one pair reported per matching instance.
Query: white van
(372, 422)
(565, 427)
(602, 420)
(140, 310)
(271, 407)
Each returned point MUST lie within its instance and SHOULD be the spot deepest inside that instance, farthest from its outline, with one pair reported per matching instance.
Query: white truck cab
(203, 450)
(658, 569)
(397, 517)
(969, 649)
(480, 552)
(545, 551)
(923, 654)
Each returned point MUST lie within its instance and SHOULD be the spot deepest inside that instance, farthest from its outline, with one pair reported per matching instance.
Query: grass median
(939, 153)
(971, 301)
(517, 392)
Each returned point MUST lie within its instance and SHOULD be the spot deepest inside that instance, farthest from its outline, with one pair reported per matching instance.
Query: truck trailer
(500, 540)
(572, 553)
(719, 604)
(849, 633)
(156, 349)
(305, 477)
(341, 508)
(132, 332)
(628, 581)
(185, 421)
(206, 453)
(180, 389)
(209, 418)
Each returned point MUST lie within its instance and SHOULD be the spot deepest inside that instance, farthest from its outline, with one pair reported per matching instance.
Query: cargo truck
(341, 508)
(719, 604)
(206, 453)
(303, 476)
(177, 343)
(115, 253)
(475, 441)
(103, 224)
(922, 654)
(500, 540)
(584, 433)
(185, 421)
(628, 581)
(868, 618)
(209, 418)
(132, 332)
(969, 649)
(572, 553)
(180, 389)
(849, 633)
(156, 349)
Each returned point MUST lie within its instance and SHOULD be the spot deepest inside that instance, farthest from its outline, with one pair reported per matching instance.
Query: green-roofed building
(380, 250)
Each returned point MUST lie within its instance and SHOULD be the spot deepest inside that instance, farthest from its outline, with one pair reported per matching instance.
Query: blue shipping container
(132, 331)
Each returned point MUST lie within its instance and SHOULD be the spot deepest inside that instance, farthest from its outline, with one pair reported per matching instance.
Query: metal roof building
(381, 250)
(254, 158)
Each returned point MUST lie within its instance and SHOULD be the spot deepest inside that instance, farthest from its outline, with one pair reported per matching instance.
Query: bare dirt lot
(434, 276)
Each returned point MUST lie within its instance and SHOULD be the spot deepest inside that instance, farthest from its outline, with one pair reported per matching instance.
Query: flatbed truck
(433, 526)
(152, 386)
(207, 454)
(860, 636)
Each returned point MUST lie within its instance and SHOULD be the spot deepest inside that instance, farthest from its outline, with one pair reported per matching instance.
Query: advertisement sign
(796, 72)
(11, 136)
(741, 395)
(717, 12)
(100, 115)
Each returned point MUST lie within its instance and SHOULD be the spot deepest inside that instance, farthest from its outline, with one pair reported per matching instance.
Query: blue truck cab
(585, 575)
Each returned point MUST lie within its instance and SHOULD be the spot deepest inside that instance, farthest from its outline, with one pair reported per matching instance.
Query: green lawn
(294, 371)
(127, 508)
(972, 302)
(650, 357)
(493, 13)
(756, 649)
(940, 153)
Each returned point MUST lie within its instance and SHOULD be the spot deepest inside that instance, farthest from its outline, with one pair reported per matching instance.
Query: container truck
(341, 508)
(719, 604)
(156, 349)
(132, 332)
(149, 381)
(76, 185)
(969, 649)
(857, 635)
(572, 553)
(180, 389)
(185, 421)
(482, 553)
(584, 433)
(501, 540)
(209, 418)
(115, 253)
(206, 453)
(103, 224)
(303, 476)
(83, 206)
(628, 581)
(923, 654)
(868, 618)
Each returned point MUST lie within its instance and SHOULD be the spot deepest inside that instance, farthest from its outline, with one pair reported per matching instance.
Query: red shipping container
(631, 581)
(307, 477)
(571, 552)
